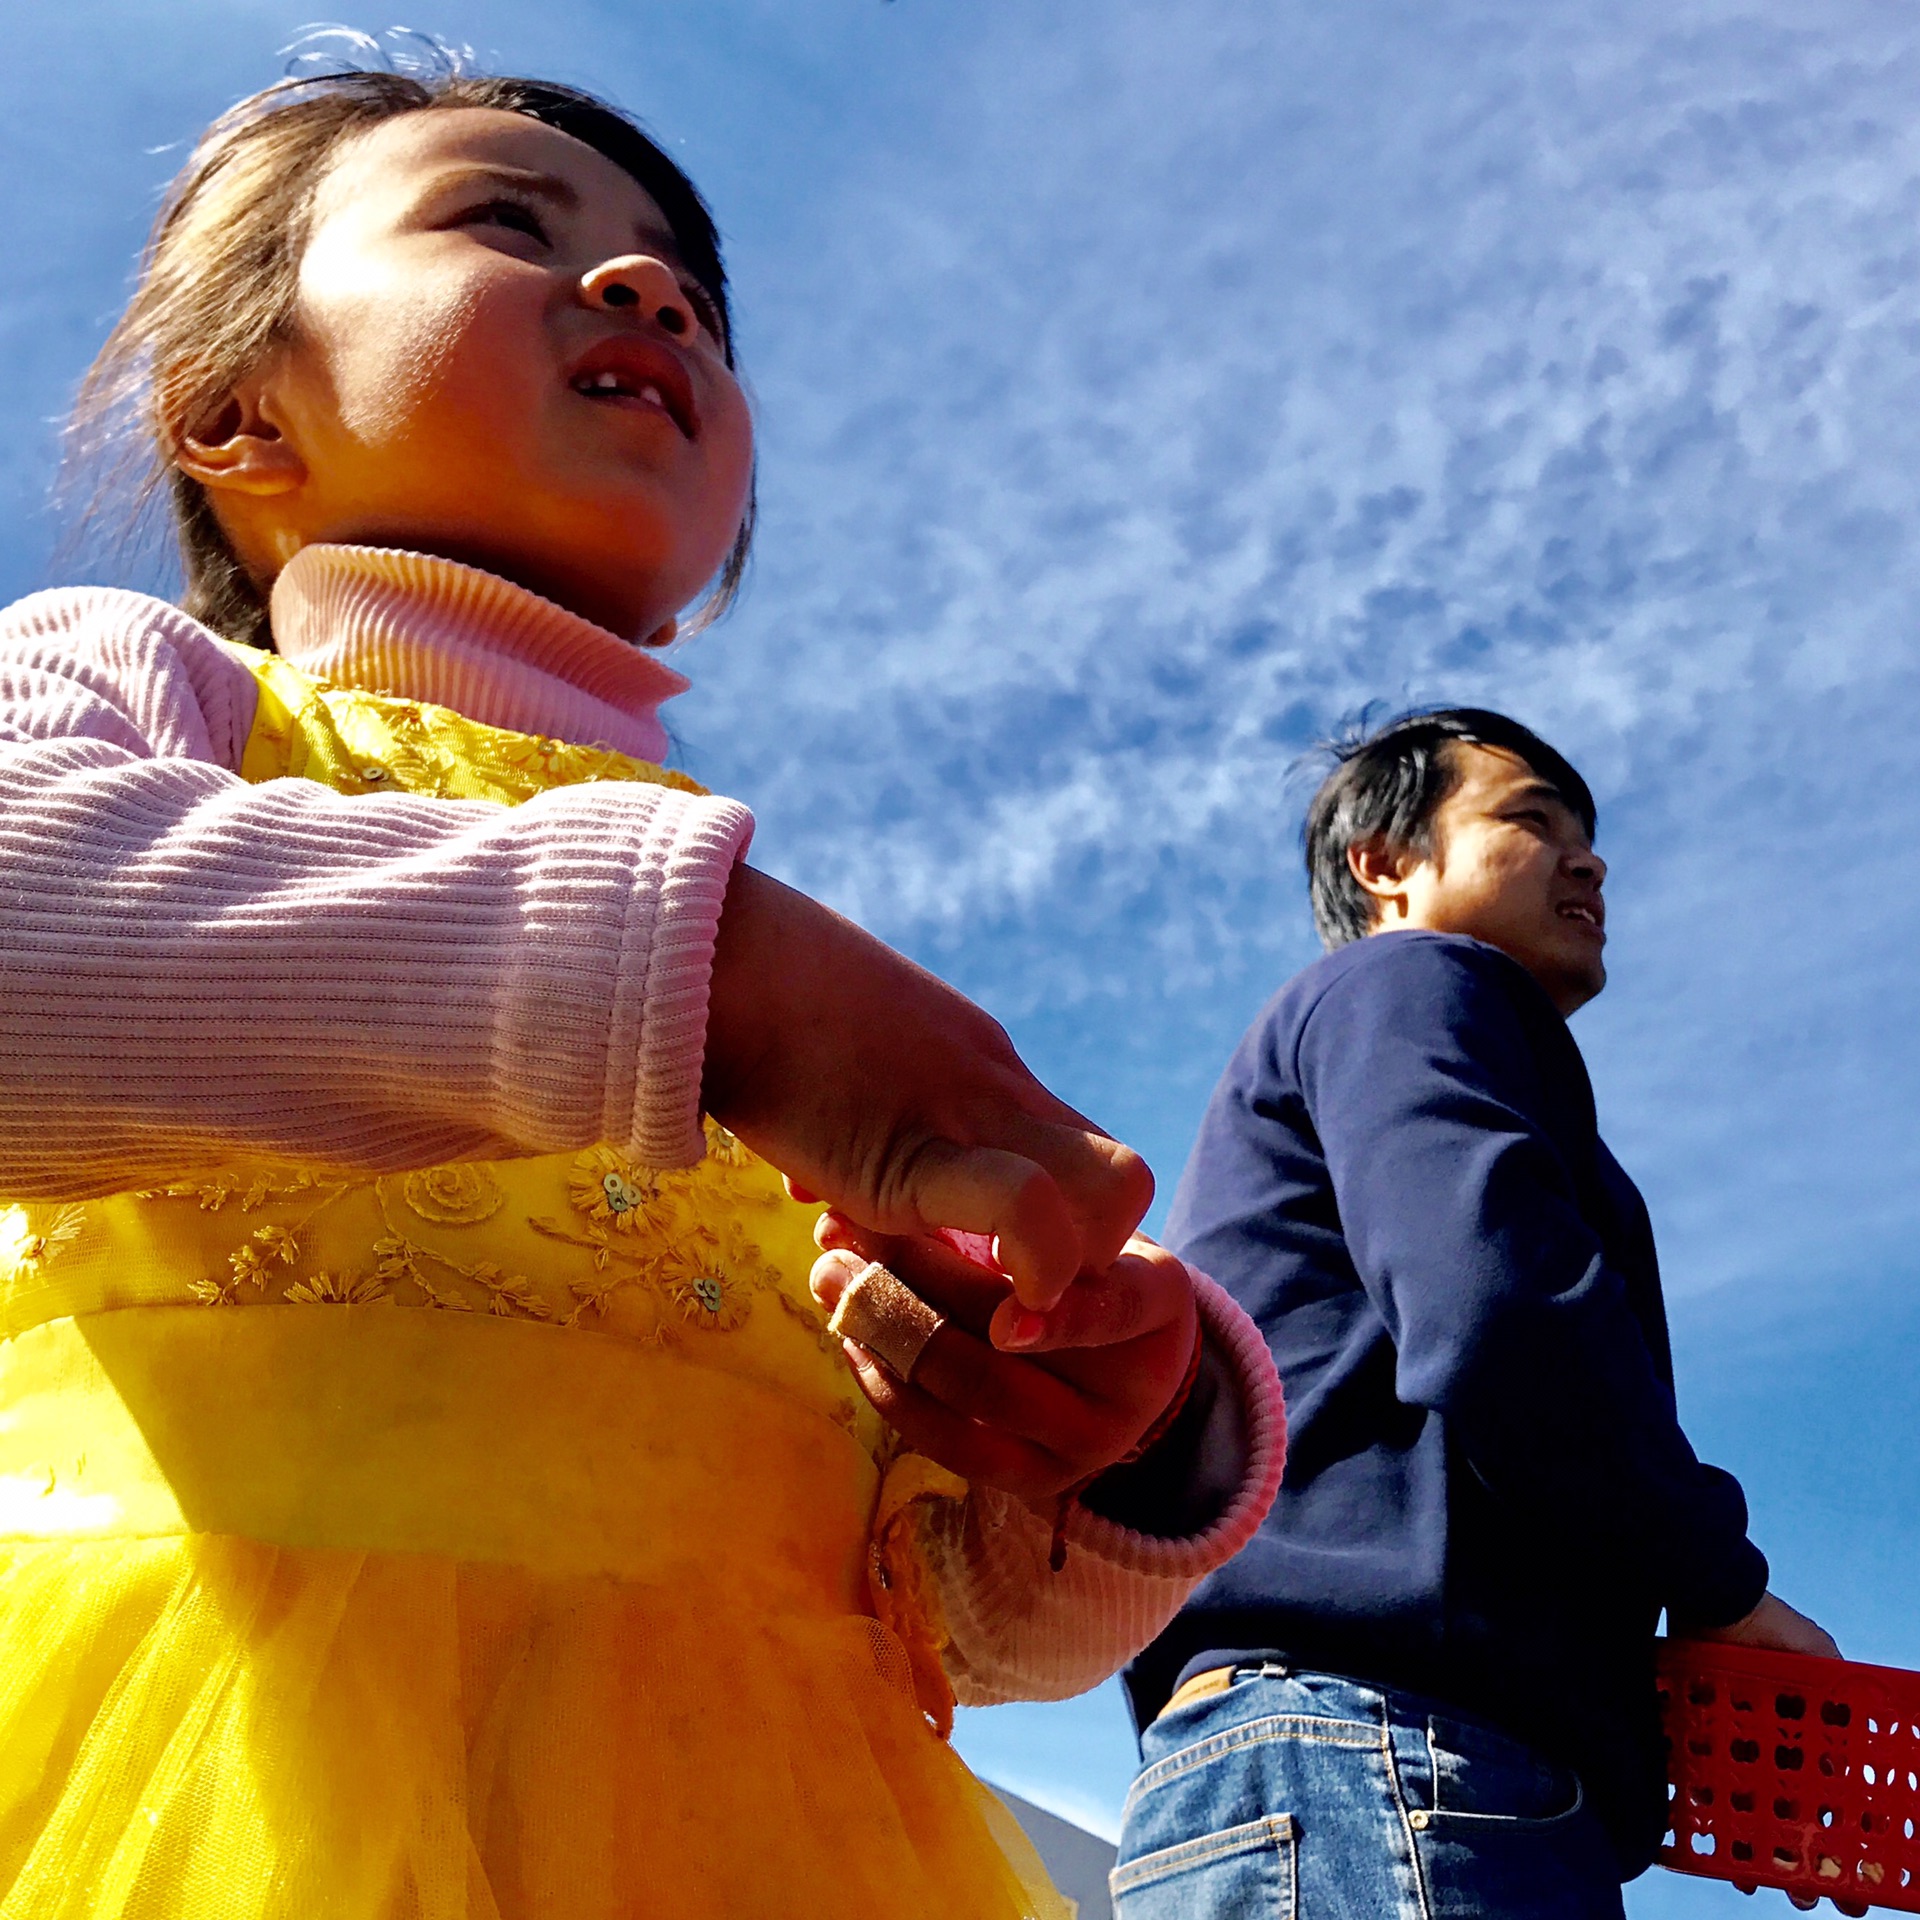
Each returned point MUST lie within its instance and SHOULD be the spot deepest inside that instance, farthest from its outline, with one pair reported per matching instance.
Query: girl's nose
(637, 282)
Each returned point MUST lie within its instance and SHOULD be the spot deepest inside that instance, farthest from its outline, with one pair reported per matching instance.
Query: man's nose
(1587, 865)
(637, 282)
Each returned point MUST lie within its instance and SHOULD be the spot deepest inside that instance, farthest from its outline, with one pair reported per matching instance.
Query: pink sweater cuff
(1232, 1334)
(1016, 1630)
(660, 1026)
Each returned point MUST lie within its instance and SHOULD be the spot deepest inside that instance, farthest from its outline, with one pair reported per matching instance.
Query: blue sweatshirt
(1488, 1496)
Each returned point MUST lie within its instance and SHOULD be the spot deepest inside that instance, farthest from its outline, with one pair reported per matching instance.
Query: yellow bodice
(699, 1274)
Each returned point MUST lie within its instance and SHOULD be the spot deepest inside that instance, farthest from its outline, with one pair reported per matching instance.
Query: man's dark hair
(1387, 783)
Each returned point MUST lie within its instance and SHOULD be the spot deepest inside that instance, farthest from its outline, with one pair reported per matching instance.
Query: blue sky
(1143, 387)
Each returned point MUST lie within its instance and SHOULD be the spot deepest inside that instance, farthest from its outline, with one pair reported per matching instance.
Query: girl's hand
(1073, 1400)
(877, 1088)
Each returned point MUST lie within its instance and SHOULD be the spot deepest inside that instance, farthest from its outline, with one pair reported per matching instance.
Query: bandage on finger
(886, 1317)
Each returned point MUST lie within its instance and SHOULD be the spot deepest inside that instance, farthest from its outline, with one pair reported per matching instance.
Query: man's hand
(1074, 1398)
(880, 1090)
(1775, 1624)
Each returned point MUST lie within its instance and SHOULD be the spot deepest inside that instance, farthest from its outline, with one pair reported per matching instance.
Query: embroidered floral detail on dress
(403, 768)
(338, 1290)
(509, 1293)
(398, 1260)
(723, 1148)
(606, 1186)
(25, 1248)
(457, 1196)
(271, 1245)
(249, 1266)
(214, 1193)
(280, 1243)
(808, 1313)
(712, 1300)
(709, 1276)
(375, 744)
(534, 763)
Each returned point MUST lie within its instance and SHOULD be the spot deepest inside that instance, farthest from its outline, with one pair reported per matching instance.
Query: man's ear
(1381, 870)
(237, 446)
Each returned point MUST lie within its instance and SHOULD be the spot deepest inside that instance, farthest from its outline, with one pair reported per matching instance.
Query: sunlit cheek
(734, 481)
(406, 357)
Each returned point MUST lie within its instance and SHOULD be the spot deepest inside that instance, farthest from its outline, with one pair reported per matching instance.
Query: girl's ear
(238, 447)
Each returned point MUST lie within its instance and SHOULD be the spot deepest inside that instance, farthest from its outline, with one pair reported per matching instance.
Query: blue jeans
(1303, 1796)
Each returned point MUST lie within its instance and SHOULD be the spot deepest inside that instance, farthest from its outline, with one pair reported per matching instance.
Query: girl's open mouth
(626, 369)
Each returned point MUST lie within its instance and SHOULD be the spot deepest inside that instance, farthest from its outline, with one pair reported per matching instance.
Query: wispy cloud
(1194, 381)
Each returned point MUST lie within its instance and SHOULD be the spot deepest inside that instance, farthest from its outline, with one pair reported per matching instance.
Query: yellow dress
(486, 1542)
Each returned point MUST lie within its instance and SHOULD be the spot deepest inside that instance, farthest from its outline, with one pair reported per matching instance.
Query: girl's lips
(626, 367)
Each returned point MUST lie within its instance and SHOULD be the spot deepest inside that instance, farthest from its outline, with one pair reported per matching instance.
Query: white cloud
(1196, 379)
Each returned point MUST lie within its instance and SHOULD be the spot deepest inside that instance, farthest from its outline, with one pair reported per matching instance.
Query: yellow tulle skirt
(199, 1724)
(201, 1728)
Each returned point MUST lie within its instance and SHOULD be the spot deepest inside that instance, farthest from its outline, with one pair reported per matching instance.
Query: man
(1426, 1687)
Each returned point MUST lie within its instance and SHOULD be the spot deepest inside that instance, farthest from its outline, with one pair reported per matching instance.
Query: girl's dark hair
(1386, 785)
(220, 271)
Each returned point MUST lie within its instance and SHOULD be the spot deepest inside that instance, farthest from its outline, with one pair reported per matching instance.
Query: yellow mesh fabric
(203, 1726)
(485, 1541)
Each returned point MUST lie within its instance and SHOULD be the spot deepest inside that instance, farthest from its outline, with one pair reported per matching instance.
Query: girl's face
(498, 356)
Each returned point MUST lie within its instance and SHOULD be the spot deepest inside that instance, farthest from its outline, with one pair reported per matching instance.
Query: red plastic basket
(1791, 1772)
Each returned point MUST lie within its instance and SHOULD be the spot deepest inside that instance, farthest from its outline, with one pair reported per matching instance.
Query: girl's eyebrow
(545, 186)
(558, 192)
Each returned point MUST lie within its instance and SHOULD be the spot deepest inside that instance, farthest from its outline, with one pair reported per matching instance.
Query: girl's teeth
(612, 383)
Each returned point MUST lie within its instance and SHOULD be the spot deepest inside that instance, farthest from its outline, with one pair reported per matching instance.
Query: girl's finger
(989, 1190)
(949, 1282)
(1120, 1371)
(967, 1377)
(1145, 1290)
(1110, 1186)
(1080, 1408)
(966, 1448)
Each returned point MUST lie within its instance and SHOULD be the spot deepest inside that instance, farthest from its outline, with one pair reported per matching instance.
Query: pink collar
(432, 630)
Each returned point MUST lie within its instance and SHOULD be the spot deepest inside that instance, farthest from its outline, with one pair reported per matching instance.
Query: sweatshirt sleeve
(1462, 1216)
(193, 968)
(1016, 1630)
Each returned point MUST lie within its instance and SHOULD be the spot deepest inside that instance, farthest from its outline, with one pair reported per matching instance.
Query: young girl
(427, 1487)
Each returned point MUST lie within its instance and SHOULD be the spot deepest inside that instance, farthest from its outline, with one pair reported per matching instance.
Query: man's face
(1511, 865)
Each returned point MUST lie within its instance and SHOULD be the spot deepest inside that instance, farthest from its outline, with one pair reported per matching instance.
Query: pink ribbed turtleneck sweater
(428, 629)
(197, 967)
